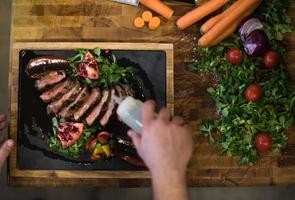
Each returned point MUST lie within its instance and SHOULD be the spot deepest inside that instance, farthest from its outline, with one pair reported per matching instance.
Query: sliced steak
(56, 91)
(50, 79)
(55, 106)
(95, 94)
(110, 108)
(46, 63)
(98, 108)
(67, 111)
(128, 90)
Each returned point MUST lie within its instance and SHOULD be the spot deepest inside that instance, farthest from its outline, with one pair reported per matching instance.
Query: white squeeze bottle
(129, 111)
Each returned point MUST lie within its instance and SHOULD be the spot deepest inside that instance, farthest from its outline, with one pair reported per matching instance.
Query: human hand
(164, 145)
(5, 145)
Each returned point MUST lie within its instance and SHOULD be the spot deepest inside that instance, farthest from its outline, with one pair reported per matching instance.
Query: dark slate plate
(33, 121)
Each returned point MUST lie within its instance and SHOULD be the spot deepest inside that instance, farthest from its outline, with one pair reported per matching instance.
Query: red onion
(256, 43)
(249, 26)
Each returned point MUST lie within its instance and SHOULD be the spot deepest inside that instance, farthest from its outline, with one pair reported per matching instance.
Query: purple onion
(248, 26)
(256, 43)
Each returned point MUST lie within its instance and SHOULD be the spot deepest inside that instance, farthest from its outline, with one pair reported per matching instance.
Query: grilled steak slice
(67, 111)
(97, 110)
(56, 91)
(128, 91)
(46, 63)
(50, 79)
(95, 94)
(55, 106)
(110, 108)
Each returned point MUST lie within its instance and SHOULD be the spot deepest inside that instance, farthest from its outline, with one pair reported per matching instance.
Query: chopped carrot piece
(147, 16)
(154, 23)
(159, 7)
(138, 22)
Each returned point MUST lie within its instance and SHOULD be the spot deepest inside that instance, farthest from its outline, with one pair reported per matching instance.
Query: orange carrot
(224, 35)
(159, 7)
(228, 21)
(138, 22)
(199, 13)
(154, 23)
(147, 16)
(211, 22)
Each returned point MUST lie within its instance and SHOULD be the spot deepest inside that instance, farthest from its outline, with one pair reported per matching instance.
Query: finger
(3, 125)
(164, 114)
(136, 139)
(148, 112)
(178, 120)
(5, 151)
(2, 118)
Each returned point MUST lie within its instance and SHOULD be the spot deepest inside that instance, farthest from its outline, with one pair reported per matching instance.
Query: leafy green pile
(74, 150)
(110, 72)
(240, 120)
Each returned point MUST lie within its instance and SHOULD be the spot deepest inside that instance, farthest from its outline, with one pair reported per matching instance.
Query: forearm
(169, 186)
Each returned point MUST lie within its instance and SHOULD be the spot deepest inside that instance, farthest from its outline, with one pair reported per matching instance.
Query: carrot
(199, 13)
(146, 16)
(228, 21)
(154, 23)
(224, 35)
(159, 7)
(211, 22)
(138, 22)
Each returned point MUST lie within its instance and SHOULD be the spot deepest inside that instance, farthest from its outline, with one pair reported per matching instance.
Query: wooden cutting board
(105, 21)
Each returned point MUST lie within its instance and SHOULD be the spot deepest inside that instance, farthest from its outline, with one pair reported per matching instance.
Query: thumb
(5, 151)
(136, 139)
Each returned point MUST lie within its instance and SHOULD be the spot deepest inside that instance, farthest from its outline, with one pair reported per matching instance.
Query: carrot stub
(138, 22)
(159, 7)
(147, 16)
(154, 23)
(199, 13)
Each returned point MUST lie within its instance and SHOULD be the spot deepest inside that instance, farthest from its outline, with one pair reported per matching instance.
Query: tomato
(271, 59)
(253, 92)
(90, 145)
(234, 56)
(95, 156)
(103, 137)
(263, 142)
(69, 133)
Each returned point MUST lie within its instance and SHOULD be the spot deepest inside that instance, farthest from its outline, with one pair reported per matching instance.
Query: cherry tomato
(95, 156)
(263, 142)
(271, 59)
(253, 92)
(91, 144)
(234, 56)
(103, 137)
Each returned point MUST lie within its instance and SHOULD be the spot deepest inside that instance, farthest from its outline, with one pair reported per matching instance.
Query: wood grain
(105, 21)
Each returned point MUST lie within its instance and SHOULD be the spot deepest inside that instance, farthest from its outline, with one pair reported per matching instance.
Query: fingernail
(10, 143)
(129, 133)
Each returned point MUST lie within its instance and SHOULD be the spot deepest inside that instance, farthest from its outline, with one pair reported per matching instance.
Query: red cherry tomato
(103, 137)
(271, 59)
(234, 56)
(91, 144)
(95, 156)
(253, 92)
(263, 142)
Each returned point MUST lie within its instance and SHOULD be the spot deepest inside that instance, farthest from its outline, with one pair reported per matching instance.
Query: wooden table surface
(105, 21)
